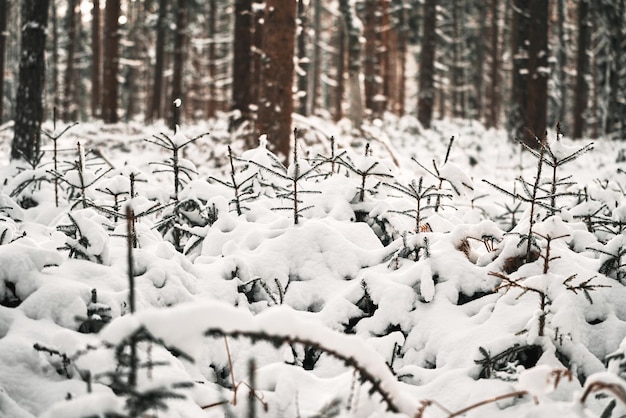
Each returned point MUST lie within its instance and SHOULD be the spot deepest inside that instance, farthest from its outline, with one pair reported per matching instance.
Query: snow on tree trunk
(29, 106)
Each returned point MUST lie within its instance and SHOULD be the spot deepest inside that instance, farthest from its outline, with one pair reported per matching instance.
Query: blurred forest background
(505, 63)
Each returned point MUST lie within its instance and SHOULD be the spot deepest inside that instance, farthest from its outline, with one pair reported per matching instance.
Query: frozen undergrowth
(406, 288)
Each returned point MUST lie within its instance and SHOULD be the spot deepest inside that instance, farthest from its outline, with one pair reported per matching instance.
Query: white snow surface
(355, 311)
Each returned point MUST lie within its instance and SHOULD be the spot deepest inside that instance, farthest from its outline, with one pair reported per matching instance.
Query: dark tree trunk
(519, 77)
(303, 63)
(582, 67)
(54, 85)
(494, 86)
(314, 76)
(4, 11)
(562, 61)
(370, 64)
(29, 106)
(242, 75)
(156, 108)
(69, 107)
(538, 70)
(426, 95)
(353, 35)
(211, 102)
(478, 76)
(276, 100)
(179, 62)
(111, 62)
(96, 50)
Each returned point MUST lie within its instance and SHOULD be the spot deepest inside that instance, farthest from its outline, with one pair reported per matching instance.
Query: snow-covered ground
(401, 284)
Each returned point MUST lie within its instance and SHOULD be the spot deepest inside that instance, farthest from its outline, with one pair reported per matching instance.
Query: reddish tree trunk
(276, 101)
(426, 95)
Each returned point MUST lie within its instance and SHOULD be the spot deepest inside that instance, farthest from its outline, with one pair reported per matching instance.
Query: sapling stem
(542, 149)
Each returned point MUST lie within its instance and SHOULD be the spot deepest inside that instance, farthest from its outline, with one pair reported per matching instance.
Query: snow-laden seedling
(382, 307)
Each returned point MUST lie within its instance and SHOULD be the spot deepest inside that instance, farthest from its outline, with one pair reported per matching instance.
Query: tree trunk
(54, 85)
(314, 74)
(426, 95)
(370, 64)
(402, 30)
(562, 60)
(582, 66)
(179, 62)
(303, 60)
(4, 11)
(29, 107)
(519, 77)
(538, 70)
(276, 100)
(212, 91)
(494, 82)
(341, 71)
(111, 62)
(69, 107)
(353, 35)
(156, 108)
(242, 76)
(96, 69)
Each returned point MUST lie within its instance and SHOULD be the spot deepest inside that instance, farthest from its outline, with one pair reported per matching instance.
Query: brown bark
(538, 70)
(96, 50)
(582, 67)
(314, 76)
(276, 101)
(370, 62)
(426, 94)
(111, 62)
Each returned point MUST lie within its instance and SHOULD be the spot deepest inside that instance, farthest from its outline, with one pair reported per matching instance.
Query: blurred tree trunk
(353, 35)
(96, 50)
(400, 61)
(370, 55)
(212, 91)
(385, 35)
(582, 67)
(494, 68)
(53, 89)
(111, 62)
(180, 38)
(520, 23)
(314, 73)
(242, 75)
(29, 107)
(257, 51)
(341, 70)
(538, 71)
(156, 108)
(4, 11)
(303, 60)
(562, 61)
(69, 107)
(276, 100)
(426, 95)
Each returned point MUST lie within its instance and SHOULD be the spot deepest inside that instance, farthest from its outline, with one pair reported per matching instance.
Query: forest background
(518, 63)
